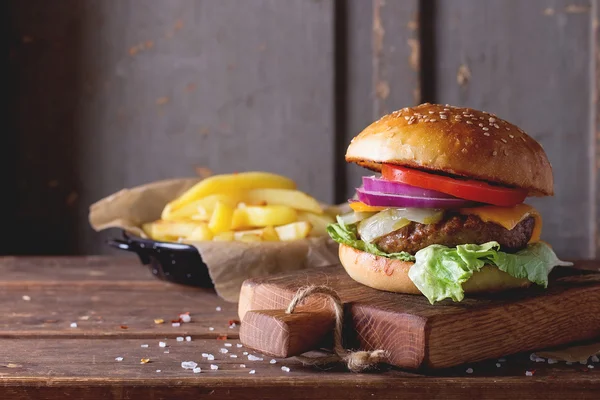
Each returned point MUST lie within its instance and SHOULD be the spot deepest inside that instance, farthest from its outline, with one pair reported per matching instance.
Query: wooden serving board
(415, 333)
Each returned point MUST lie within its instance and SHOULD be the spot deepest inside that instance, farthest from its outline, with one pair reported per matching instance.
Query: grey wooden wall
(105, 94)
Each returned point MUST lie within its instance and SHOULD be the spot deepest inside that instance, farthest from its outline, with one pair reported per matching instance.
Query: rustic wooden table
(114, 303)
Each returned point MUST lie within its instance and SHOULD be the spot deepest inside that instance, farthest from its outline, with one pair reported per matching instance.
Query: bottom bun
(392, 275)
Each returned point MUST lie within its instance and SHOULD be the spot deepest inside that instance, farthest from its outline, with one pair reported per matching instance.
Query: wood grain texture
(417, 335)
(284, 335)
(595, 145)
(116, 93)
(530, 63)
(83, 366)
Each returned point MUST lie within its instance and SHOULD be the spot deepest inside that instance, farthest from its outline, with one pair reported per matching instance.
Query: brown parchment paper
(229, 263)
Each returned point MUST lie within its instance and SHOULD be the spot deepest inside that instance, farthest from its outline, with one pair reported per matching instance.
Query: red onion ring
(399, 200)
(375, 184)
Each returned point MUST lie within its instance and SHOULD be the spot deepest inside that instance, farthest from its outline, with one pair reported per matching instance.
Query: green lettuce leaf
(440, 271)
(346, 234)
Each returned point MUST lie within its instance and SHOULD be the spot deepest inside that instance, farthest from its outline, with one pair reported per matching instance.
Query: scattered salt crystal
(210, 328)
(204, 355)
(162, 344)
(252, 372)
(73, 324)
(273, 361)
(166, 351)
(232, 356)
(188, 338)
(469, 370)
(501, 359)
(285, 369)
(252, 357)
(197, 370)
(210, 357)
(595, 359)
(227, 344)
(180, 338)
(245, 353)
(175, 324)
(569, 363)
(218, 308)
(242, 365)
(158, 370)
(583, 362)
(540, 359)
(26, 298)
(232, 325)
(240, 345)
(119, 359)
(189, 365)
(498, 365)
(552, 361)
(185, 317)
(224, 350)
(590, 366)
(144, 345)
(528, 373)
(214, 367)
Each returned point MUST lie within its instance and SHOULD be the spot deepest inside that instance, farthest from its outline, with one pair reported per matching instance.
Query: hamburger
(444, 215)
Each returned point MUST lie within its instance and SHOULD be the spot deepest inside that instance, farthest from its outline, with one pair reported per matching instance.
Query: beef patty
(456, 229)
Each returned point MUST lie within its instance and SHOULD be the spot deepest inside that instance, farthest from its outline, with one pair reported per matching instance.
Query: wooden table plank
(51, 360)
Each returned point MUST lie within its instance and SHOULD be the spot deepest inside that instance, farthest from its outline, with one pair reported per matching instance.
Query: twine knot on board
(356, 361)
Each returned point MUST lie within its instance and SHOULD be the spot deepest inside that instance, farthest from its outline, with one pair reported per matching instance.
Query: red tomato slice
(465, 189)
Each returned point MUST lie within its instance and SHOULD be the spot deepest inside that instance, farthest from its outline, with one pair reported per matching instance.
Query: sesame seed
(503, 140)
(481, 125)
(492, 120)
(486, 133)
(496, 126)
(432, 120)
(406, 117)
(431, 111)
(511, 136)
(495, 153)
(523, 139)
(507, 128)
(426, 120)
(485, 128)
(469, 122)
(442, 116)
(481, 118)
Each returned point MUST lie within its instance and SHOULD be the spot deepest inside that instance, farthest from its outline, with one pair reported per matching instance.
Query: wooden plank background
(110, 94)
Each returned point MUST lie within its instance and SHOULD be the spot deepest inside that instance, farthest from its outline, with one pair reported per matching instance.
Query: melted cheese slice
(508, 217)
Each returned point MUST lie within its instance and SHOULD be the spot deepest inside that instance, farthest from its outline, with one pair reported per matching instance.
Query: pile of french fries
(247, 207)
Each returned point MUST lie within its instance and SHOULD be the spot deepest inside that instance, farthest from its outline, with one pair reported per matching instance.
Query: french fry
(250, 238)
(220, 221)
(224, 236)
(284, 197)
(319, 222)
(261, 216)
(170, 230)
(229, 183)
(293, 231)
(202, 209)
(267, 234)
(202, 232)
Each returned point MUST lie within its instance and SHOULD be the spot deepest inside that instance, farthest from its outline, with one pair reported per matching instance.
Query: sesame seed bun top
(458, 141)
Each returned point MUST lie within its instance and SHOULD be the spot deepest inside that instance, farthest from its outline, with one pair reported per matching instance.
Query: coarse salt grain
(252, 372)
(245, 353)
(188, 338)
(175, 324)
(285, 369)
(204, 355)
(166, 351)
(242, 365)
(528, 373)
(498, 365)
(224, 350)
(583, 362)
(73, 324)
(273, 361)
(179, 338)
(218, 308)
(252, 357)
(469, 370)
(232, 325)
(232, 356)
(185, 317)
(210, 328)
(569, 363)
(26, 298)
(552, 361)
(210, 357)
(238, 345)
(189, 364)
(214, 367)
(144, 345)
(197, 370)
(119, 359)
(158, 370)
(227, 345)
(502, 360)
(162, 344)
(590, 366)
(595, 359)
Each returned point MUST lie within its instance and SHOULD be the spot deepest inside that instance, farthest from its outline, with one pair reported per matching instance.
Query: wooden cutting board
(415, 333)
